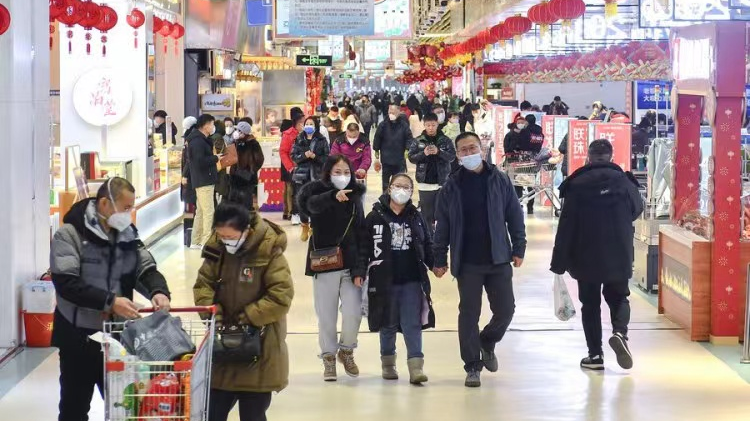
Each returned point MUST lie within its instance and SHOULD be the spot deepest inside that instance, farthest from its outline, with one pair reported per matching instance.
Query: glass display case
(697, 212)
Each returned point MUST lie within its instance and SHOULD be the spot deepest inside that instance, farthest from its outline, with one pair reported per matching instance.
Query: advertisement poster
(562, 125)
(392, 19)
(377, 50)
(217, 102)
(619, 136)
(578, 144)
(332, 46)
(333, 17)
(548, 130)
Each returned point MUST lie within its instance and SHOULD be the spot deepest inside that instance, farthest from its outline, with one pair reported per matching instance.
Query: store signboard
(332, 17)
(314, 61)
(217, 102)
(259, 12)
(621, 27)
(548, 129)
(652, 95)
(578, 144)
(377, 50)
(102, 97)
(619, 136)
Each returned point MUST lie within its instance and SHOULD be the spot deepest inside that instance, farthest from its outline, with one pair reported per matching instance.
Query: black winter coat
(446, 155)
(594, 241)
(531, 139)
(202, 160)
(329, 219)
(306, 166)
(376, 253)
(392, 139)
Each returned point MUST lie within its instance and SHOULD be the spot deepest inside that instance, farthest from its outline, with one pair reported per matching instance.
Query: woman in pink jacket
(355, 146)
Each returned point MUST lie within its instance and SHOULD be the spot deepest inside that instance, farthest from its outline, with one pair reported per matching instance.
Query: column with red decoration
(687, 152)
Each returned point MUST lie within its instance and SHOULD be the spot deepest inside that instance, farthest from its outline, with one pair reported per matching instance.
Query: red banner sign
(578, 144)
(548, 129)
(619, 136)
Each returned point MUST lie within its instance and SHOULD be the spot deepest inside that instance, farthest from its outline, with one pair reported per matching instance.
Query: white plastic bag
(564, 308)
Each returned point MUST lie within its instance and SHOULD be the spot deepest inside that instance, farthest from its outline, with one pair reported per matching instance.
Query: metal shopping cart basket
(536, 178)
(160, 390)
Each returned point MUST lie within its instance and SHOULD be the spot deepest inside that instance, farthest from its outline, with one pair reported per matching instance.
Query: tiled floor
(673, 379)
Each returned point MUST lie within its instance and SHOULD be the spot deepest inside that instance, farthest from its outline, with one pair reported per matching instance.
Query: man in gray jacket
(480, 219)
(368, 115)
(97, 260)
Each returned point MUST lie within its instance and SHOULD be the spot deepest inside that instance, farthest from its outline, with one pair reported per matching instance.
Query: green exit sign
(314, 61)
(346, 76)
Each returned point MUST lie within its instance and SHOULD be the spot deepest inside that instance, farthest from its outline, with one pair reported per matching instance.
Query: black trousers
(616, 295)
(81, 367)
(253, 406)
(367, 128)
(427, 204)
(389, 171)
(497, 280)
(295, 208)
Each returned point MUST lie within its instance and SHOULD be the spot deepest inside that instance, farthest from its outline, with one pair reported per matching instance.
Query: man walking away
(482, 249)
(594, 244)
(368, 115)
(392, 139)
(203, 174)
(433, 153)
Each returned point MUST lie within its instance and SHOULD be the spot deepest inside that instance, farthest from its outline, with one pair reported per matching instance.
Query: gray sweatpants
(330, 289)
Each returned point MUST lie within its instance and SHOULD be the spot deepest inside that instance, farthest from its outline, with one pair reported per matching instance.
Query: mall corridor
(539, 378)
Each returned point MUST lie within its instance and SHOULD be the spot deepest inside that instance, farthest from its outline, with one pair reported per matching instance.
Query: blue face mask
(309, 129)
(472, 162)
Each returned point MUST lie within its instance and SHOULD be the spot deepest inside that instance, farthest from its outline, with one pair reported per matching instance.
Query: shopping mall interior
(93, 91)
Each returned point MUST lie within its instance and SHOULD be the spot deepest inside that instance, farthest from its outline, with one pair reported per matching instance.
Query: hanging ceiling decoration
(135, 19)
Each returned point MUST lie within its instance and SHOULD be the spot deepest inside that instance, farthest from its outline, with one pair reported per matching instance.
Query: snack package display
(162, 399)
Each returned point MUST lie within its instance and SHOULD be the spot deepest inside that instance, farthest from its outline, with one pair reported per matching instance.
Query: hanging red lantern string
(157, 24)
(178, 31)
(56, 8)
(135, 19)
(567, 10)
(518, 25)
(610, 8)
(4, 19)
(165, 31)
(92, 14)
(107, 22)
(71, 15)
(541, 15)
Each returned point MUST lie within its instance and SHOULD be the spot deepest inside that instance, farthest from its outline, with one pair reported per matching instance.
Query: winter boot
(329, 368)
(305, 232)
(416, 375)
(346, 357)
(389, 367)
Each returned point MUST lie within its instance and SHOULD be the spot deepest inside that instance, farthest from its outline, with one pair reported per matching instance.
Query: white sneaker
(296, 220)
(196, 247)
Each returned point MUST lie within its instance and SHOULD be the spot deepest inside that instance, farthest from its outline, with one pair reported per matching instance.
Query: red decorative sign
(578, 144)
(619, 136)
(548, 129)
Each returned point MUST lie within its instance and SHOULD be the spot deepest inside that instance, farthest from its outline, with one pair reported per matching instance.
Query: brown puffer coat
(257, 290)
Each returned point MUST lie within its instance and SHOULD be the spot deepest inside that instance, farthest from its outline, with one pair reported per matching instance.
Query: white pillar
(24, 157)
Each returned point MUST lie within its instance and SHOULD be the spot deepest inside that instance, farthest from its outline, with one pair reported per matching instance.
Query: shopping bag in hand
(564, 308)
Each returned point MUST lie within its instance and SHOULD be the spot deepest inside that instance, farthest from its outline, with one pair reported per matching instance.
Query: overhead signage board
(332, 46)
(331, 17)
(377, 50)
(314, 61)
(346, 76)
(653, 95)
(622, 27)
(259, 12)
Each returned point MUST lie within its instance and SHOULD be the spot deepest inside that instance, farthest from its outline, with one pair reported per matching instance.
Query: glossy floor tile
(539, 379)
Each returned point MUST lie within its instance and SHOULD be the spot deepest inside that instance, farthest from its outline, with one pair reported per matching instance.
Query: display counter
(685, 280)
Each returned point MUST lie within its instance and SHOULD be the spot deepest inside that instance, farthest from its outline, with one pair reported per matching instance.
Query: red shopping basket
(38, 327)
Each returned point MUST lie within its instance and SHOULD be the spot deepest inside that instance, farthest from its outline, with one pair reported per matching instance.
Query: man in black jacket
(96, 261)
(203, 174)
(480, 218)
(594, 244)
(433, 153)
(392, 139)
(530, 139)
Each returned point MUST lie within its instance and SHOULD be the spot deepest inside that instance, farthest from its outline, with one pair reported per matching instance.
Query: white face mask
(236, 135)
(233, 246)
(441, 118)
(118, 220)
(213, 130)
(472, 162)
(400, 196)
(341, 181)
(393, 117)
(230, 129)
(521, 126)
(352, 140)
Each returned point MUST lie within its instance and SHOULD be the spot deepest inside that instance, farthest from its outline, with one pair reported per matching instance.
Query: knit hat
(187, 123)
(244, 127)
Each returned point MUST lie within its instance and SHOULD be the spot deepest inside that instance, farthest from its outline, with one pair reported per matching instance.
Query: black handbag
(238, 344)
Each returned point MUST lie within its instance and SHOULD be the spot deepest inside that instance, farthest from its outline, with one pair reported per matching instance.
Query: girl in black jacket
(398, 251)
(309, 152)
(334, 204)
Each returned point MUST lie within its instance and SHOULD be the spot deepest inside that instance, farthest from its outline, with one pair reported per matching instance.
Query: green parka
(257, 289)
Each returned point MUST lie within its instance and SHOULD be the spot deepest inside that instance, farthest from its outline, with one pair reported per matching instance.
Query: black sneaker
(593, 362)
(619, 344)
(489, 359)
(473, 379)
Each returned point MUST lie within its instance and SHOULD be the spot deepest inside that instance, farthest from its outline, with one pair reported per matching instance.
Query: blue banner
(652, 95)
(259, 12)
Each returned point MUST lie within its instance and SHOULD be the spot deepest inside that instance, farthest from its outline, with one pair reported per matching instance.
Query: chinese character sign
(331, 17)
(653, 95)
(619, 136)
(102, 97)
(578, 144)
(548, 129)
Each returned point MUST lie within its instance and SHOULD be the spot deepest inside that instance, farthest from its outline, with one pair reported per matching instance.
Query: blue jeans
(406, 312)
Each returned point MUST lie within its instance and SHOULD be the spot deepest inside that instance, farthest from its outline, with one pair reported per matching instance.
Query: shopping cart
(160, 390)
(536, 178)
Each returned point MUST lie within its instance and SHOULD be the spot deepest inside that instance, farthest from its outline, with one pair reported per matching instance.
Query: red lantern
(70, 16)
(56, 8)
(107, 22)
(541, 15)
(158, 23)
(165, 31)
(567, 10)
(518, 25)
(135, 19)
(4, 19)
(92, 14)
(485, 37)
(51, 32)
(178, 31)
